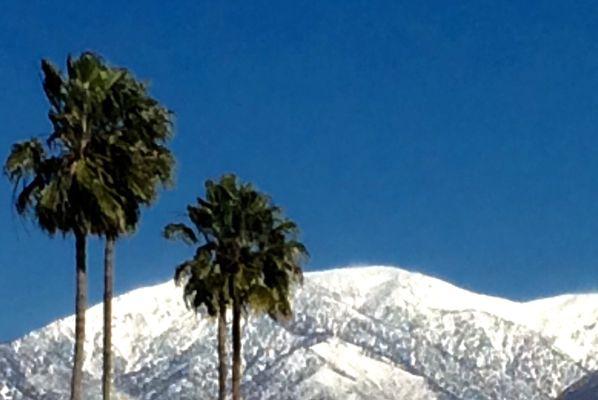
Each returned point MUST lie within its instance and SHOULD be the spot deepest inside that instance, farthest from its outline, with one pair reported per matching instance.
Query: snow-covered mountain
(358, 333)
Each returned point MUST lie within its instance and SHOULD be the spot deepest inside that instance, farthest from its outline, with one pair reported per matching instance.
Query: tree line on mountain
(105, 158)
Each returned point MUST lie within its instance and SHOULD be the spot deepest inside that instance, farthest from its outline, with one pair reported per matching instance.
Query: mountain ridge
(422, 337)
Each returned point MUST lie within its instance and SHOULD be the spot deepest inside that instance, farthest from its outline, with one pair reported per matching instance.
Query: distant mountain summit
(358, 333)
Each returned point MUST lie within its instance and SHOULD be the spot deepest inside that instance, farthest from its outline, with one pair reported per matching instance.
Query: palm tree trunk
(222, 351)
(236, 349)
(108, 285)
(80, 308)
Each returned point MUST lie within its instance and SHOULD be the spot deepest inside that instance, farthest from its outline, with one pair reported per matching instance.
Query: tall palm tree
(249, 258)
(61, 184)
(135, 128)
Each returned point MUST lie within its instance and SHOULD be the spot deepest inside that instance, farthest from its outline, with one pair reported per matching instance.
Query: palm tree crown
(242, 238)
(103, 158)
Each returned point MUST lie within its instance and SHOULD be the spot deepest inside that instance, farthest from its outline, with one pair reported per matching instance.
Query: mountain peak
(358, 332)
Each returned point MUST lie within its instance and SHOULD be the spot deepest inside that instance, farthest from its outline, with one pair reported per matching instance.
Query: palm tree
(268, 268)
(248, 260)
(135, 128)
(204, 281)
(62, 184)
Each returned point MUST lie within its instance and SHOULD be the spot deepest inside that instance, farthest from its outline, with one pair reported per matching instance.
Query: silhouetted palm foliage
(247, 257)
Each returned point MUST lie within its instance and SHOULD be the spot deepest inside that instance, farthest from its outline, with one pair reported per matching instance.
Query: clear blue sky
(458, 139)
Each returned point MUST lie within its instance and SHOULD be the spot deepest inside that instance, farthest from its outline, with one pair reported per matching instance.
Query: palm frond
(180, 231)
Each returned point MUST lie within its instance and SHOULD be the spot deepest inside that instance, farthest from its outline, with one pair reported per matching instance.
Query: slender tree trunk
(80, 308)
(236, 349)
(222, 351)
(108, 285)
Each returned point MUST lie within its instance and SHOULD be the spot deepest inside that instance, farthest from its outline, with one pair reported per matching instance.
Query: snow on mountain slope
(553, 317)
(550, 316)
(358, 333)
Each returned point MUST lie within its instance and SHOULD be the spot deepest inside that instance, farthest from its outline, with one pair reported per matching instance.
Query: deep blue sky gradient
(458, 139)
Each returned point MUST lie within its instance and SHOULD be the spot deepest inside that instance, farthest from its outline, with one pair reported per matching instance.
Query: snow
(358, 333)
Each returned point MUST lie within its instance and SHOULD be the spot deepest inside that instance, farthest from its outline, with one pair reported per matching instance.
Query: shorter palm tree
(247, 258)
(204, 282)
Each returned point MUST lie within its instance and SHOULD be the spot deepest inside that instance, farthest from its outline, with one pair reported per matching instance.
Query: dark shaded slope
(584, 389)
